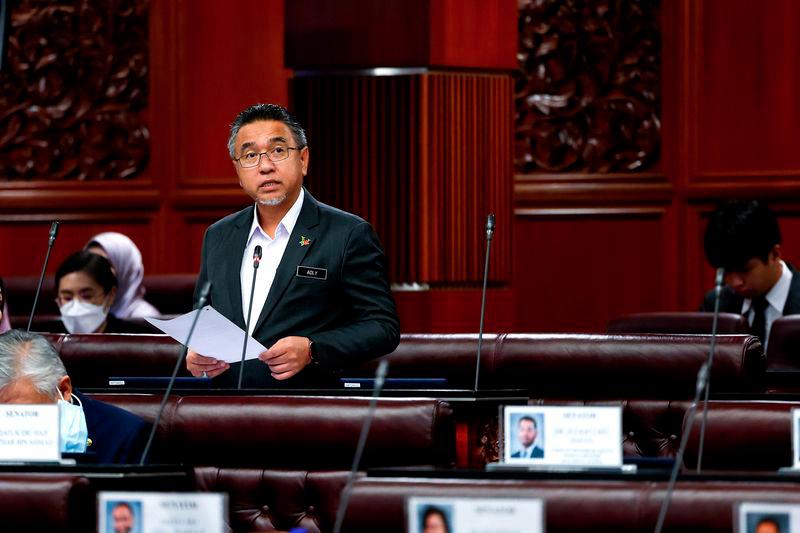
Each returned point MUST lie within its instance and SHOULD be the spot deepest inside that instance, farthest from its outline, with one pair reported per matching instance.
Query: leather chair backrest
(783, 349)
(678, 323)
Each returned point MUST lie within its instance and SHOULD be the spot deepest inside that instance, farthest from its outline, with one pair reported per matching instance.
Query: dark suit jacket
(536, 453)
(350, 315)
(730, 302)
(117, 436)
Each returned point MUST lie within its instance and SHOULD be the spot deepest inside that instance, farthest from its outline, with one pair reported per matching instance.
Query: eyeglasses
(253, 159)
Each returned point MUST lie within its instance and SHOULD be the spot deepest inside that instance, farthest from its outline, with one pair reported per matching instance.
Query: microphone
(380, 376)
(50, 242)
(702, 384)
(201, 301)
(256, 261)
(710, 360)
(489, 235)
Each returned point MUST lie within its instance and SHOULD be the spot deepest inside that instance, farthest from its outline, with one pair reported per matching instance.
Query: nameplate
(563, 436)
(763, 517)
(29, 433)
(487, 515)
(165, 512)
(312, 272)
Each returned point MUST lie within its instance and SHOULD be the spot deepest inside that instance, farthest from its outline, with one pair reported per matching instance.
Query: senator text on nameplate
(754, 517)
(487, 515)
(563, 436)
(164, 512)
(29, 433)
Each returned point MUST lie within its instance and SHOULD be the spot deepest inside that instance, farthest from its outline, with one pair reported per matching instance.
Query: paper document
(214, 335)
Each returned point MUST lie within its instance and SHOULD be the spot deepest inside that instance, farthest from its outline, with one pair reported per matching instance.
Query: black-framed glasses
(279, 153)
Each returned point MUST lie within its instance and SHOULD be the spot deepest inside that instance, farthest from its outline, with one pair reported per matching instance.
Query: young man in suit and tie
(744, 238)
(526, 435)
(322, 301)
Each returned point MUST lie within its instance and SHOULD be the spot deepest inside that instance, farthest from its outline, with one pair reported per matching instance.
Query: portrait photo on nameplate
(754, 517)
(164, 512)
(464, 514)
(562, 436)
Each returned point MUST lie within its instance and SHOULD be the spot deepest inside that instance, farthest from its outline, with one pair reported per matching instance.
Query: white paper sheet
(214, 335)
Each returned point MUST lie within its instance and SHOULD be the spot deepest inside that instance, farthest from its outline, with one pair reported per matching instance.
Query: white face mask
(82, 317)
(74, 433)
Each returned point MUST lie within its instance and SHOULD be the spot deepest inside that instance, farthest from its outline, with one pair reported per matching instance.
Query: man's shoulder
(338, 217)
(729, 301)
(243, 215)
(101, 412)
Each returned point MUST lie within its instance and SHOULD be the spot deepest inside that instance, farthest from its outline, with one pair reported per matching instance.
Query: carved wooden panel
(587, 94)
(72, 91)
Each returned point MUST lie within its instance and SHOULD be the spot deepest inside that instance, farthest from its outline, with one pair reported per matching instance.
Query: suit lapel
(306, 228)
(231, 250)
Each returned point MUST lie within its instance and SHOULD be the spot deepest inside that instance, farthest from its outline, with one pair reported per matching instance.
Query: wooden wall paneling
(582, 267)
(744, 75)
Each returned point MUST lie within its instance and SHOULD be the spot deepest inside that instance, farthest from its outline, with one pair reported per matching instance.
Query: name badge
(167, 512)
(29, 433)
(774, 516)
(312, 272)
(563, 436)
(509, 515)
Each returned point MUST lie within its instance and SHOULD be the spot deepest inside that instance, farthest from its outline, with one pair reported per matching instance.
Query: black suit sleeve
(202, 277)
(373, 328)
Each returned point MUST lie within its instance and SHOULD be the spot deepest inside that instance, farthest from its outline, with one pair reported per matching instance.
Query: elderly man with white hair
(32, 373)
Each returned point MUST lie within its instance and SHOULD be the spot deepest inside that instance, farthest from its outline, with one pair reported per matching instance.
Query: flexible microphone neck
(50, 242)
(201, 301)
(489, 235)
(256, 262)
(701, 385)
(380, 376)
(709, 362)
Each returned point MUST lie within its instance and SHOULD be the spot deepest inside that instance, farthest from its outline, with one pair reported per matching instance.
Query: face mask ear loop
(72, 399)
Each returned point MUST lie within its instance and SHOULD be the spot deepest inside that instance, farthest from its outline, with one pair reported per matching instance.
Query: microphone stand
(201, 301)
(50, 242)
(256, 261)
(380, 376)
(489, 235)
(701, 385)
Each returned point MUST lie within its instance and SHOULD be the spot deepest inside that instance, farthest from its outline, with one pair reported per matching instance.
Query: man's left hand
(287, 357)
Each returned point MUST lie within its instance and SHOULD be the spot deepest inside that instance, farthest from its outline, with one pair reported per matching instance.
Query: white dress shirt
(271, 255)
(776, 298)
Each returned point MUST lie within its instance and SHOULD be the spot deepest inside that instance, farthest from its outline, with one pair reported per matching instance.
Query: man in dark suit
(31, 372)
(744, 239)
(526, 435)
(321, 300)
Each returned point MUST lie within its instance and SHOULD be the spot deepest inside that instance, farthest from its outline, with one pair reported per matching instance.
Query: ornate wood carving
(587, 95)
(71, 91)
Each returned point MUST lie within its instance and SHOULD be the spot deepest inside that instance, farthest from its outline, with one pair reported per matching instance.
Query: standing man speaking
(322, 301)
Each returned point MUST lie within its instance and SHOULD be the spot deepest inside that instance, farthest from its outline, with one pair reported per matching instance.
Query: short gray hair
(29, 355)
(266, 112)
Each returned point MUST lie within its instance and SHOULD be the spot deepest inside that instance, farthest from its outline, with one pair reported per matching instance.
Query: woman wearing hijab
(126, 259)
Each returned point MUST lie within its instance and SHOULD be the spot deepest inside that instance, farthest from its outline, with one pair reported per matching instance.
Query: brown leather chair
(784, 345)
(577, 505)
(45, 502)
(678, 323)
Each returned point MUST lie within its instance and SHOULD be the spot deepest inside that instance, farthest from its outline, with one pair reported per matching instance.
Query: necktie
(759, 327)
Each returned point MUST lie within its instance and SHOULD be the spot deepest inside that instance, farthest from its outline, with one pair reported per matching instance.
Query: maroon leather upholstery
(301, 432)
(548, 365)
(743, 436)
(46, 502)
(169, 293)
(571, 505)
(784, 344)
(678, 323)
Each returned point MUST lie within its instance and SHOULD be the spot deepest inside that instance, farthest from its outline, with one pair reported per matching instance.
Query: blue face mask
(74, 433)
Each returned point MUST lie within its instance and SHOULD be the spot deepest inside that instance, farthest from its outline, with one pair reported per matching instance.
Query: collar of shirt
(777, 295)
(286, 224)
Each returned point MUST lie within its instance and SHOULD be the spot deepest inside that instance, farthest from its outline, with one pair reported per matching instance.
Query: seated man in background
(744, 239)
(32, 373)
